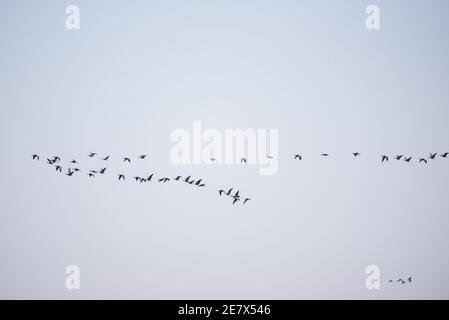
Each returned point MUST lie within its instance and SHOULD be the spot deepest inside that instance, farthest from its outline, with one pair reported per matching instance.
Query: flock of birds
(236, 197)
(73, 168)
(385, 158)
(401, 281)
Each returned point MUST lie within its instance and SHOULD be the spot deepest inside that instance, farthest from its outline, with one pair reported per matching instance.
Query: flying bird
(58, 168)
(69, 172)
(56, 159)
(269, 157)
(121, 176)
(356, 154)
(202, 185)
(73, 161)
(49, 161)
(102, 171)
(399, 157)
(106, 158)
(384, 158)
(221, 192)
(432, 156)
(92, 154)
(213, 159)
(407, 159)
(325, 154)
(35, 157)
(298, 156)
(229, 192)
(125, 159)
(137, 178)
(198, 182)
(187, 179)
(422, 160)
(409, 279)
(151, 176)
(444, 155)
(177, 178)
(235, 200)
(243, 160)
(142, 156)
(76, 169)
(246, 199)
(91, 175)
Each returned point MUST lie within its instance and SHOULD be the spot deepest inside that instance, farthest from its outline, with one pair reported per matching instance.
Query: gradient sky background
(136, 71)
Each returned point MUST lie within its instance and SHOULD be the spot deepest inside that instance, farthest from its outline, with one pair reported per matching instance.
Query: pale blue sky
(135, 72)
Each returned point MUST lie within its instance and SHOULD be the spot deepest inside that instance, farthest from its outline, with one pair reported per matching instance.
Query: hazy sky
(136, 71)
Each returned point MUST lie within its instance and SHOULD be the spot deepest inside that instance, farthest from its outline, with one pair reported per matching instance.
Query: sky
(135, 72)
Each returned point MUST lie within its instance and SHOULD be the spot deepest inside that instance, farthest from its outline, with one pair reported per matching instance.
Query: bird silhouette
(409, 279)
(73, 161)
(235, 200)
(444, 155)
(422, 160)
(177, 178)
(356, 154)
(384, 158)
(407, 159)
(243, 160)
(221, 192)
(143, 180)
(269, 157)
(187, 179)
(198, 182)
(236, 195)
(56, 159)
(142, 156)
(202, 185)
(69, 172)
(76, 169)
(126, 159)
(399, 157)
(49, 161)
(432, 156)
(106, 158)
(298, 156)
(35, 157)
(121, 177)
(150, 177)
(136, 178)
(325, 154)
(103, 170)
(164, 180)
(91, 175)
(92, 154)
(229, 192)
(58, 168)
(213, 159)
(246, 199)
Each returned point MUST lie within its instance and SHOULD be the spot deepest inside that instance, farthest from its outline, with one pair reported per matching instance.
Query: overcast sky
(136, 71)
